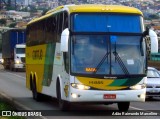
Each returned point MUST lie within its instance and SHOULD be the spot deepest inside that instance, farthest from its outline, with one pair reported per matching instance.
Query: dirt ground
(155, 64)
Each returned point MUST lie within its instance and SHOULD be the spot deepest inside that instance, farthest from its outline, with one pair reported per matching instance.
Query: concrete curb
(17, 105)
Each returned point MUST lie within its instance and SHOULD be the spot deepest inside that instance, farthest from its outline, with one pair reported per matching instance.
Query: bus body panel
(98, 95)
(46, 64)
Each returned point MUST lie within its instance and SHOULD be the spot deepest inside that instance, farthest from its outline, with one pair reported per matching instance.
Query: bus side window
(34, 34)
(65, 25)
(53, 29)
(66, 61)
(59, 26)
(48, 29)
(56, 27)
(41, 32)
(61, 17)
(28, 31)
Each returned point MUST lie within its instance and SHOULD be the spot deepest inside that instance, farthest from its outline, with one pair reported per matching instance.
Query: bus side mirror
(64, 40)
(154, 41)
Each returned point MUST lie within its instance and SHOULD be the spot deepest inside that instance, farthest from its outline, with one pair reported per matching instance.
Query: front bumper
(98, 95)
(19, 66)
(151, 92)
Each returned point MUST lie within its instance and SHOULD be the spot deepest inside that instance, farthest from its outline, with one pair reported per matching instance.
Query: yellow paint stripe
(99, 83)
(92, 82)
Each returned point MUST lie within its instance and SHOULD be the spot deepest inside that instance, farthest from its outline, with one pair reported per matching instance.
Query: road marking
(24, 107)
(144, 110)
(136, 108)
(17, 75)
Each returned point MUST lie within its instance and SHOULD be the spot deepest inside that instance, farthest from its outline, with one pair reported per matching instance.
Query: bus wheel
(63, 105)
(123, 106)
(5, 67)
(36, 95)
(15, 69)
(150, 97)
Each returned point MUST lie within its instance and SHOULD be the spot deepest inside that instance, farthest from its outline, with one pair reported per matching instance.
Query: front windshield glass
(107, 44)
(106, 55)
(20, 50)
(152, 74)
(89, 22)
(87, 51)
(126, 55)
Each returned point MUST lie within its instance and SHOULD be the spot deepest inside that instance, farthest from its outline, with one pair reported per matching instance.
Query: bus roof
(99, 8)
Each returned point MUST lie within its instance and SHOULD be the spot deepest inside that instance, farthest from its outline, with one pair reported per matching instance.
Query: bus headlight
(2, 60)
(17, 61)
(138, 87)
(80, 86)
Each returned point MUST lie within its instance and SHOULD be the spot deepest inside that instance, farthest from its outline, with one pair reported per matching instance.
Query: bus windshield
(20, 50)
(107, 55)
(92, 22)
(107, 44)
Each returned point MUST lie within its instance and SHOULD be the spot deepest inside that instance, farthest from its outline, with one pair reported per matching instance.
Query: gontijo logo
(37, 54)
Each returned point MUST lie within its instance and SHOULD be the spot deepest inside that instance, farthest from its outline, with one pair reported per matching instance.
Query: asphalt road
(12, 87)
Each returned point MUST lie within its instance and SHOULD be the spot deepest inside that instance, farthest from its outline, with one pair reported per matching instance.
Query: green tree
(12, 25)
(154, 16)
(3, 21)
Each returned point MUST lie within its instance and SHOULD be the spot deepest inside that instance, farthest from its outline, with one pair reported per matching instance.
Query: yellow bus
(87, 53)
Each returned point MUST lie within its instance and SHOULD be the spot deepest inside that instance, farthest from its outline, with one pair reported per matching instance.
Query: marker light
(80, 86)
(2, 61)
(143, 96)
(74, 95)
(138, 87)
(17, 61)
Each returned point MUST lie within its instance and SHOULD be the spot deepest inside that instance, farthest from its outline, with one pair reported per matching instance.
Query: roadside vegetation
(4, 106)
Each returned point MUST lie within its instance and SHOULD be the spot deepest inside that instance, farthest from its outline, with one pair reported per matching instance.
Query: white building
(16, 17)
(3, 16)
(11, 13)
(27, 2)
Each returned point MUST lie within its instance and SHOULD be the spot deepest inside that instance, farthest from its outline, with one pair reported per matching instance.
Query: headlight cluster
(138, 87)
(17, 61)
(2, 60)
(80, 86)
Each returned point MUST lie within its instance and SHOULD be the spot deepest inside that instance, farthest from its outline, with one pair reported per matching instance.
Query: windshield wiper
(123, 67)
(101, 62)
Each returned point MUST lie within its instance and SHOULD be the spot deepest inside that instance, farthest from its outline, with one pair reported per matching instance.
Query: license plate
(109, 96)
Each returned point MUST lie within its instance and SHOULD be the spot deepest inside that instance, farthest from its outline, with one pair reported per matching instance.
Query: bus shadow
(153, 99)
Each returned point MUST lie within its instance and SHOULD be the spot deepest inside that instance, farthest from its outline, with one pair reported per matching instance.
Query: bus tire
(150, 97)
(123, 106)
(36, 95)
(5, 67)
(14, 69)
(63, 105)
